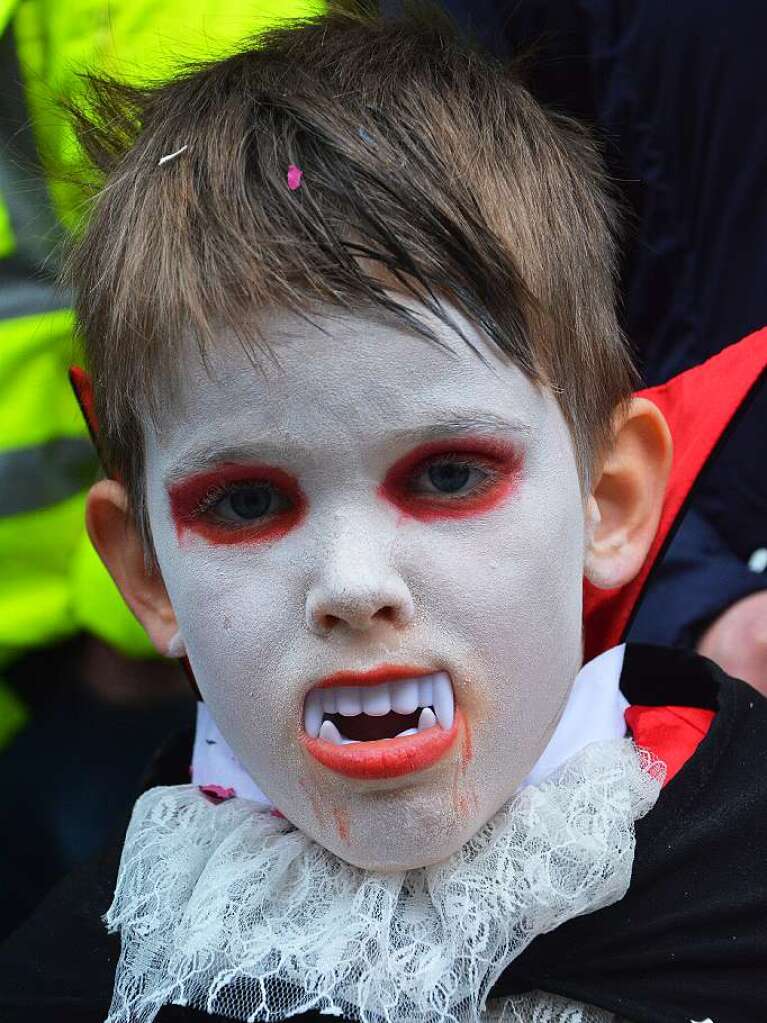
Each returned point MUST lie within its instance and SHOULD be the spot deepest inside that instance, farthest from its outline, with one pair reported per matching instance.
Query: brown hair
(422, 158)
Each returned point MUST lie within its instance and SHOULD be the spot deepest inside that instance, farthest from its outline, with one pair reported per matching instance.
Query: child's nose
(360, 588)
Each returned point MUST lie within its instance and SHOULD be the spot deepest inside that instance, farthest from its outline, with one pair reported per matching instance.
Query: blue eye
(449, 477)
(247, 503)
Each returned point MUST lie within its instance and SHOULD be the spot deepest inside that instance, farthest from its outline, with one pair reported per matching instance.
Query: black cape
(687, 942)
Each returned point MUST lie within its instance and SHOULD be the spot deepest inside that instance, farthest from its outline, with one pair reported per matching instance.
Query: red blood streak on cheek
(467, 750)
(457, 795)
(461, 799)
(460, 802)
(502, 460)
(187, 505)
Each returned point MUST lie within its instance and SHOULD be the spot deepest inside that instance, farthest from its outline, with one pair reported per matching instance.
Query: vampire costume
(594, 895)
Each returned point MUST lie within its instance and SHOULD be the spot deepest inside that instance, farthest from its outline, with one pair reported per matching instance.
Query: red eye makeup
(454, 478)
(240, 503)
(236, 504)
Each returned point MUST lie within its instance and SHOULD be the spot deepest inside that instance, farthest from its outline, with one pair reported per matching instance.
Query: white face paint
(368, 556)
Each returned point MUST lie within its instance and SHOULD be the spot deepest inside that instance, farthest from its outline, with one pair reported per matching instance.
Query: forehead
(343, 376)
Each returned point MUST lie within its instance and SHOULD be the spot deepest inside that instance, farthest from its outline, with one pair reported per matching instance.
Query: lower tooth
(427, 719)
(330, 733)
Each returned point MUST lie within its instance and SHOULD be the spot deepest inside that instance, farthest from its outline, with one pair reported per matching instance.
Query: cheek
(240, 634)
(506, 594)
(234, 607)
(239, 610)
(231, 610)
(523, 562)
(539, 644)
(540, 570)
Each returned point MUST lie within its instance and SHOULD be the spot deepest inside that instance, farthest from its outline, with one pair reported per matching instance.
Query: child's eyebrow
(449, 424)
(460, 422)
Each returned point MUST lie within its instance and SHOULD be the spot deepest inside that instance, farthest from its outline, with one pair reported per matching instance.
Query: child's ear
(116, 538)
(624, 506)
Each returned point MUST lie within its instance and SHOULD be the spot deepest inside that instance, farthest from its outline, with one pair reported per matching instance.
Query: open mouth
(381, 730)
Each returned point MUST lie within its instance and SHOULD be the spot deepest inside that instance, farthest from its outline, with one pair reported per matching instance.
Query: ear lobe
(119, 544)
(625, 504)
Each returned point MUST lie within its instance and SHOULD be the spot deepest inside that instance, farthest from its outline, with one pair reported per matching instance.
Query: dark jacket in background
(674, 90)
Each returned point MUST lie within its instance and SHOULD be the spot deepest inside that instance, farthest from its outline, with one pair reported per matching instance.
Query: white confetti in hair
(172, 156)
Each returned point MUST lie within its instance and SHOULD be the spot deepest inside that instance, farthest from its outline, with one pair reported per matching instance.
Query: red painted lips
(386, 758)
(382, 758)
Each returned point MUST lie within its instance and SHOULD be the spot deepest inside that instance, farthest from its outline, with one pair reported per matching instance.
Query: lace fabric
(232, 910)
(539, 1007)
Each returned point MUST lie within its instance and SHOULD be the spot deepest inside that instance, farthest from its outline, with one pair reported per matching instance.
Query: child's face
(394, 506)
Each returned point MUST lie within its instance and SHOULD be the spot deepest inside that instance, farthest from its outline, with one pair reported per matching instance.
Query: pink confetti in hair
(217, 793)
(294, 177)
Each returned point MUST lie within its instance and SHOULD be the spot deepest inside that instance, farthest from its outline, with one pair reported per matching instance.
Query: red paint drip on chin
(342, 824)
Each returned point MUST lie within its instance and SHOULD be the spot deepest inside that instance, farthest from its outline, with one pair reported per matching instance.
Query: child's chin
(407, 850)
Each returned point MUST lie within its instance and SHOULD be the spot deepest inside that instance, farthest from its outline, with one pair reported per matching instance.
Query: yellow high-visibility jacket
(51, 581)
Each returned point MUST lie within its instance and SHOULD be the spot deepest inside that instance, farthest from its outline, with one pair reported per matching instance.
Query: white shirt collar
(593, 712)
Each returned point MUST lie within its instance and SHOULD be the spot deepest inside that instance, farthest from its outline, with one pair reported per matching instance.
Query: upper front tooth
(404, 696)
(443, 699)
(376, 700)
(328, 700)
(313, 713)
(349, 702)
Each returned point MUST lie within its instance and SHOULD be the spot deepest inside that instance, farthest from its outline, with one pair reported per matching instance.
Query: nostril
(357, 610)
(383, 614)
(387, 614)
